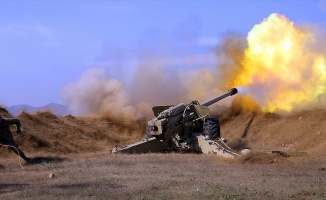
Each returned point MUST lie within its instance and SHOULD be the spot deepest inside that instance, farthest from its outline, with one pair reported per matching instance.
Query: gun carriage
(184, 127)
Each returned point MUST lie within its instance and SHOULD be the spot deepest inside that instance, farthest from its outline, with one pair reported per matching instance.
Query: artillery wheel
(212, 128)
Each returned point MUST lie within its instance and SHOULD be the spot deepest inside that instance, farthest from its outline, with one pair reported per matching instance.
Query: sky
(46, 45)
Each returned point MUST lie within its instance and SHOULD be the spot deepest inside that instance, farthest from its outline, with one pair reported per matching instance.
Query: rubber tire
(212, 128)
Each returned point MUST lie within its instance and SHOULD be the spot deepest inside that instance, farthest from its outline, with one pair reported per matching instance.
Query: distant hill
(55, 108)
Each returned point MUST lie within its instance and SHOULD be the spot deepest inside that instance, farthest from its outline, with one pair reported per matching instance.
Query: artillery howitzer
(184, 127)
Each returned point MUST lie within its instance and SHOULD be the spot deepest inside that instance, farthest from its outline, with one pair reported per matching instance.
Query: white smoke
(99, 94)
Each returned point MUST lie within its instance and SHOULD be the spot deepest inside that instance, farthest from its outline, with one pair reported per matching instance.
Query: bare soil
(73, 160)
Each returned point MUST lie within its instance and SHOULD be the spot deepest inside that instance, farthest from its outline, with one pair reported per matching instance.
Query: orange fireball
(280, 69)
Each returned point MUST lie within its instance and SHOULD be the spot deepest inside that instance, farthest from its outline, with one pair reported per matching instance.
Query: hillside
(303, 131)
(74, 160)
(45, 133)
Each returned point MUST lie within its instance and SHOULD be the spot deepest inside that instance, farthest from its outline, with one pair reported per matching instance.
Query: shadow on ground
(89, 185)
(45, 159)
(11, 188)
(7, 185)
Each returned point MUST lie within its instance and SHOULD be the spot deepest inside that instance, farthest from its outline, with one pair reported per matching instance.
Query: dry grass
(75, 150)
(163, 176)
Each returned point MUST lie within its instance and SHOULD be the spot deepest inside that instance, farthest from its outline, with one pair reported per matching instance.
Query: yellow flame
(279, 58)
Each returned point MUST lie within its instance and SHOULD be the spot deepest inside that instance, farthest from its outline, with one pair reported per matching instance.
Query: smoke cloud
(283, 67)
(96, 93)
(281, 83)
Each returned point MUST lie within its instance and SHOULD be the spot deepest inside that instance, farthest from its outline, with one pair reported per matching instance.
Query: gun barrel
(216, 99)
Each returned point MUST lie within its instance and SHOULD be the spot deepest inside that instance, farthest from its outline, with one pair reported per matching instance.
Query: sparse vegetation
(171, 176)
(77, 153)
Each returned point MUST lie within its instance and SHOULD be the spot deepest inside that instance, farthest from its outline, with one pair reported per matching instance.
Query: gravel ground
(164, 176)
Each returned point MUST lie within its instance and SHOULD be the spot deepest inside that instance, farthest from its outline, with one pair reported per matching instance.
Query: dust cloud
(271, 76)
(96, 93)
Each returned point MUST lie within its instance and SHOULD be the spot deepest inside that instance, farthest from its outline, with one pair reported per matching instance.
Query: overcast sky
(45, 45)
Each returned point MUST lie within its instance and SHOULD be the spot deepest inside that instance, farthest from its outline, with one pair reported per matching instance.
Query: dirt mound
(4, 112)
(262, 158)
(304, 131)
(45, 133)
